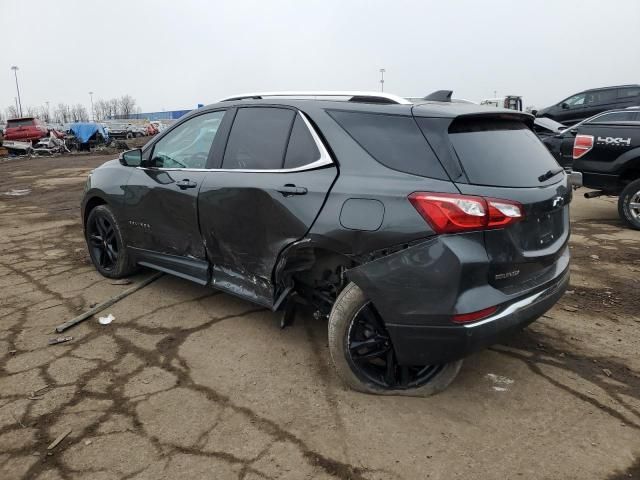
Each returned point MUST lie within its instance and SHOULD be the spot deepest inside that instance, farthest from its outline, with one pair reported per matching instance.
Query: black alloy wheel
(103, 242)
(371, 354)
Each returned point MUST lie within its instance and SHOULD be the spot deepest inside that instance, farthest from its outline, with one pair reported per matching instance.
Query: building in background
(168, 115)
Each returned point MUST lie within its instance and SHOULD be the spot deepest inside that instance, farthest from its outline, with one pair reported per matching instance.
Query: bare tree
(12, 112)
(101, 109)
(32, 111)
(113, 107)
(79, 113)
(62, 113)
(127, 105)
(43, 113)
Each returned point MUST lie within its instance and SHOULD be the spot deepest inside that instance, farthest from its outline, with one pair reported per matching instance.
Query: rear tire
(106, 244)
(363, 373)
(629, 204)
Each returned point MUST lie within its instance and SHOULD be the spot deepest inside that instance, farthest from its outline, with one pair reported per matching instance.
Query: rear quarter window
(501, 153)
(395, 141)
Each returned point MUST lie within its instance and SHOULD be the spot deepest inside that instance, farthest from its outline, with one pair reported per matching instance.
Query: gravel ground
(191, 383)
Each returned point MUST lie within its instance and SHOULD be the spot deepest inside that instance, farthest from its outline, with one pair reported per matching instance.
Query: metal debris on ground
(61, 437)
(123, 281)
(37, 395)
(98, 308)
(14, 192)
(106, 320)
(57, 340)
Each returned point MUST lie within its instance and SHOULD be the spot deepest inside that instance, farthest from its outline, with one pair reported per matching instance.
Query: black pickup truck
(606, 150)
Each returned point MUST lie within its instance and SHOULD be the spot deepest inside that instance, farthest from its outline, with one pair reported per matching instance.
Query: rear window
(393, 140)
(22, 122)
(501, 153)
(615, 117)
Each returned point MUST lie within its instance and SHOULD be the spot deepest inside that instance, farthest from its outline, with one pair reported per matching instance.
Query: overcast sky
(171, 54)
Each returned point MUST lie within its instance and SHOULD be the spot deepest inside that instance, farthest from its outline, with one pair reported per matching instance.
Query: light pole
(93, 117)
(382, 70)
(15, 72)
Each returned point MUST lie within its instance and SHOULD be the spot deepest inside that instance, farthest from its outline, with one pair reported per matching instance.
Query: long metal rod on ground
(101, 306)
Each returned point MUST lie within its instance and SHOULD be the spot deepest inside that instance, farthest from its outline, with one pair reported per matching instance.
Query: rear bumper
(424, 345)
(602, 181)
(418, 289)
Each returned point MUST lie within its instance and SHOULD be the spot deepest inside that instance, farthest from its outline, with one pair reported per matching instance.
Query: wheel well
(315, 274)
(91, 204)
(629, 175)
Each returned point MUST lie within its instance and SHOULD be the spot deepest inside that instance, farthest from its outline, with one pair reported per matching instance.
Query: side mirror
(534, 112)
(131, 158)
(564, 105)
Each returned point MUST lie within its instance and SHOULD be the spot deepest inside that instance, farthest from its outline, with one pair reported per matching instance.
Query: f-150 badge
(614, 141)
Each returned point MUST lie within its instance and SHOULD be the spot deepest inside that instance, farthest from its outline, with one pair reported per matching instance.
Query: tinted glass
(629, 92)
(302, 150)
(501, 153)
(27, 122)
(601, 96)
(615, 117)
(394, 141)
(258, 139)
(188, 145)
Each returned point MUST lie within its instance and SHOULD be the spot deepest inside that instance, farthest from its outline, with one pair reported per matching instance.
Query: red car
(25, 129)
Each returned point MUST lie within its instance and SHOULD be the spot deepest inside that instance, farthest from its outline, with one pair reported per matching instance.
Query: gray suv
(420, 231)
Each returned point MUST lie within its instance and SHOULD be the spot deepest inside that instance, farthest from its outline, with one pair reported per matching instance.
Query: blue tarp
(84, 131)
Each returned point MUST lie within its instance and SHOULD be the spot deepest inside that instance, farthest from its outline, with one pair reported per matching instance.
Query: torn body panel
(247, 221)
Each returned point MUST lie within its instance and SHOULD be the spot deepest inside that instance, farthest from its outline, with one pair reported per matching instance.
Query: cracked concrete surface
(191, 383)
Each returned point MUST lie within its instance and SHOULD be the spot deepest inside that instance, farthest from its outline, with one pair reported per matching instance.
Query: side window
(302, 149)
(258, 138)
(188, 145)
(393, 140)
(628, 92)
(601, 96)
(576, 100)
(615, 117)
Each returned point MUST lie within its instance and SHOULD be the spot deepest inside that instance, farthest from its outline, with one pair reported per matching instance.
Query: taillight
(474, 316)
(453, 213)
(582, 145)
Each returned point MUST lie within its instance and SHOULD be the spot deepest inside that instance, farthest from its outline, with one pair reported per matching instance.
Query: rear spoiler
(439, 96)
(505, 114)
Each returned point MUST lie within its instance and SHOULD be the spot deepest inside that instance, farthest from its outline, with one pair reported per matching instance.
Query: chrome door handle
(186, 183)
(290, 189)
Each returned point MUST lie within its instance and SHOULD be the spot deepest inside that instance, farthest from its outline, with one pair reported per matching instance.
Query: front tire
(629, 204)
(106, 244)
(363, 354)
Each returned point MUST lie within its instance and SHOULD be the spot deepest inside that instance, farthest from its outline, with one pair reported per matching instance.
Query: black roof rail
(439, 96)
